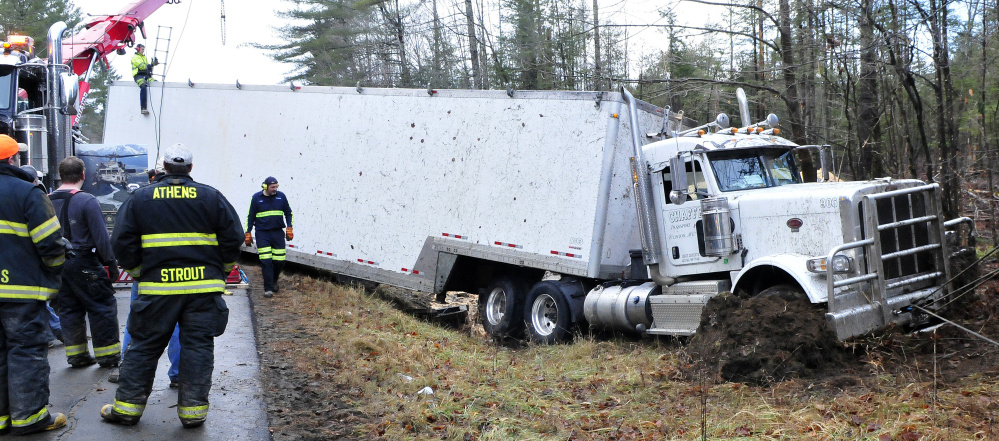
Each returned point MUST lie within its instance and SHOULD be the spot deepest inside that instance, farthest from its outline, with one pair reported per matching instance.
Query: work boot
(107, 412)
(174, 383)
(81, 361)
(114, 375)
(192, 423)
(144, 112)
(268, 294)
(58, 422)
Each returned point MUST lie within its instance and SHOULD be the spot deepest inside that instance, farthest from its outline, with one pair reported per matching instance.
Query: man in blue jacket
(30, 262)
(269, 210)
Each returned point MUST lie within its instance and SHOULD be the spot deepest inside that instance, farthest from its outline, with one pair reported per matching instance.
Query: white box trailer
(398, 186)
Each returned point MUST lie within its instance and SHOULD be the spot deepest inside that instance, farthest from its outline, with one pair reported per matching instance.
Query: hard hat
(177, 154)
(8, 147)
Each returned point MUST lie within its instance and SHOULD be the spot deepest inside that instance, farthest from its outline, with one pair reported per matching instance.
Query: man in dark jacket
(179, 239)
(32, 257)
(86, 291)
(269, 209)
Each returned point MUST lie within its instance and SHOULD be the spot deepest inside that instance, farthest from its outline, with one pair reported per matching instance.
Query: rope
(957, 325)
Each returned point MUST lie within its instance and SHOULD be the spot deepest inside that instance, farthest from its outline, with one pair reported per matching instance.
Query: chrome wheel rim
(496, 306)
(544, 315)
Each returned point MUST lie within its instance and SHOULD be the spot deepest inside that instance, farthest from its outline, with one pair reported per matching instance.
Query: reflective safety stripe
(192, 287)
(76, 350)
(279, 254)
(135, 272)
(228, 266)
(192, 412)
(45, 230)
(264, 253)
(129, 408)
(15, 228)
(105, 351)
(264, 250)
(25, 292)
(178, 239)
(55, 261)
(4, 422)
(270, 213)
(38, 416)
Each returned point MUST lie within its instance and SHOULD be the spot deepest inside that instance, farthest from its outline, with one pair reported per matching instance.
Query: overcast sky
(197, 52)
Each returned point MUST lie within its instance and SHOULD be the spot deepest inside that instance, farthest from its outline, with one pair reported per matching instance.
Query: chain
(223, 22)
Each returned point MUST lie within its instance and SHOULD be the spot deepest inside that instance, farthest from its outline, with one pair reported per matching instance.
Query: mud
(765, 339)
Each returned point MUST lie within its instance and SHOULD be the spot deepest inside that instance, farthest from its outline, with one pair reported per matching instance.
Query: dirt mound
(774, 336)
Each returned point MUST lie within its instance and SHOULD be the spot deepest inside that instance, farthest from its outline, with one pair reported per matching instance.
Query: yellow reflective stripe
(128, 408)
(40, 415)
(15, 228)
(279, 257)
(76, 350)
(192, 412)
(264, 249)
(281, 251)
(45, 230)
(228, 266)
(270, 213)
(4, 422)
(191, 287)
(25, 292)
(54, 261)
(135, 272)
(178, 239)
(104, 351)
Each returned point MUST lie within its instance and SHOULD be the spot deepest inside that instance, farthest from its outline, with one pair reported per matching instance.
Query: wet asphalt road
(237, 406)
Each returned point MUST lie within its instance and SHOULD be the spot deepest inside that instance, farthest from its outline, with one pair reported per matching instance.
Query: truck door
(684, 232)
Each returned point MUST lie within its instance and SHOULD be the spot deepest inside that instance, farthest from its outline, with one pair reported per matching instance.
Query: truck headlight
(841, 263)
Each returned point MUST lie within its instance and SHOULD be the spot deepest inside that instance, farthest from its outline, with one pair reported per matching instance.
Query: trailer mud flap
(445, 263)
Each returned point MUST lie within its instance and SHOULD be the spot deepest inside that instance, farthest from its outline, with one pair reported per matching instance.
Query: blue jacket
(30, 239)
(268, 212)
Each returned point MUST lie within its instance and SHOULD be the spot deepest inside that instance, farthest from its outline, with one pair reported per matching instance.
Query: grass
(597, 388)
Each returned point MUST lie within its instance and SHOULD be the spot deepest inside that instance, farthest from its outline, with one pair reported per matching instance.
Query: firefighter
(86, 293)
(179, 239)
(32, 258)
(269, 210)
(142, 72)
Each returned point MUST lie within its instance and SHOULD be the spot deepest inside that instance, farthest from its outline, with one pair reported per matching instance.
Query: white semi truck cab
(725, 209)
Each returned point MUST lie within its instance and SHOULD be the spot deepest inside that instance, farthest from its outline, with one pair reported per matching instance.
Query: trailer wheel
(547, 314)
(500, 307)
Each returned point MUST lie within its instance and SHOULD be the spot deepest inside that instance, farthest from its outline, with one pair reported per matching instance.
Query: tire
(500, 307)
(547, 314)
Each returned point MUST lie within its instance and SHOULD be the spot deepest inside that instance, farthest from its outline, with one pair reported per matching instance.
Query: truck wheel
(547, 314)
(500, 306)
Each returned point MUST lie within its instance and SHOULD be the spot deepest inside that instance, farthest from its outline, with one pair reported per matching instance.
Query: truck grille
(907, 235)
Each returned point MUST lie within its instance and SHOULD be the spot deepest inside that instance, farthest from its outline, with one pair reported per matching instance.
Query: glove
(155, 62)
(249, 239)
(289, 234)
(113, 271)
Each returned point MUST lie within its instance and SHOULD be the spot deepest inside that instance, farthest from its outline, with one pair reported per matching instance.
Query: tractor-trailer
(561, 209)
(428, 190)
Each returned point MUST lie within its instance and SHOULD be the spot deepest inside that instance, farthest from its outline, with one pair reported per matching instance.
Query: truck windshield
(754, 168)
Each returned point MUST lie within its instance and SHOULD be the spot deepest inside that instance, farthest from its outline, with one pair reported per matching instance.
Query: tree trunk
(473, 45)
(789, 70)
(868, 126)
(598, 83)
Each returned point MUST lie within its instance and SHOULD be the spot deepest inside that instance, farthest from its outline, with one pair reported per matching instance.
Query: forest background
(900, 88)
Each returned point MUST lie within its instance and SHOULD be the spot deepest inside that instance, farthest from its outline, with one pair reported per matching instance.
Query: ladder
(163, 34)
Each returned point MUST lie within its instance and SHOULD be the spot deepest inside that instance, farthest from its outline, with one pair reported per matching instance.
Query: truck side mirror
(70, 90)
(678, 178)
(825, 161)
